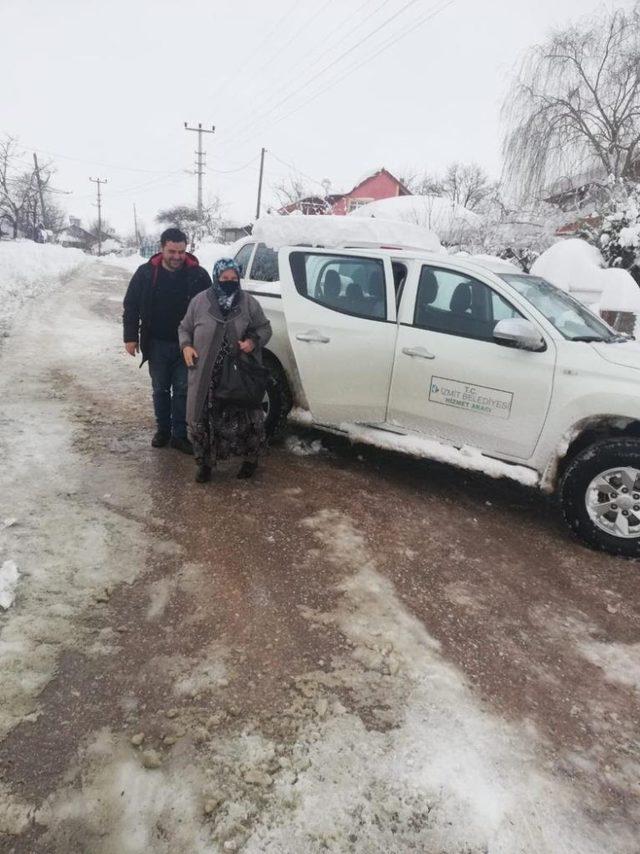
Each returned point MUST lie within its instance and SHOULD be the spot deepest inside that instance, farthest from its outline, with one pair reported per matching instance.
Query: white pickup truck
(464, 362)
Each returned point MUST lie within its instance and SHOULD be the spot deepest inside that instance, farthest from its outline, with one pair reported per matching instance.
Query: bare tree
(18, 191)
(187, 219)
(465, 184)
(292, 190)
(575, 105)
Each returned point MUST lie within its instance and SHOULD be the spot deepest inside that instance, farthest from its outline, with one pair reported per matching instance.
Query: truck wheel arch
(579, 437)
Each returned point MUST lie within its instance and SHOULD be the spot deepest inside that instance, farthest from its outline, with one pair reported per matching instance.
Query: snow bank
(620, 291)
(8, 582)
(578, 267)
(575, 266)
(208, 253)
(28, 268)
(448, 220)
(277, 231)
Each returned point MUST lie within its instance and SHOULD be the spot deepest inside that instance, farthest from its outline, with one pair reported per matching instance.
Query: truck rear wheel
(277, 400)
(600, 496)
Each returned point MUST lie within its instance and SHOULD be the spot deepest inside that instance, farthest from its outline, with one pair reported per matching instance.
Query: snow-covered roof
(435, 213)
(276, 231)
(491, 262)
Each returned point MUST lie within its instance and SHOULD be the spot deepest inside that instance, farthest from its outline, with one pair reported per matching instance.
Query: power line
(355, 67)
(255, 51)
(291, 70)
(325, 68)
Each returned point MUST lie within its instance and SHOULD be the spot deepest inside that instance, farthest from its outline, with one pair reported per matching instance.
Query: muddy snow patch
(160, 593)
(304, 447)
(8, 583)
(122, 806)
(619, 662)
(450, 776)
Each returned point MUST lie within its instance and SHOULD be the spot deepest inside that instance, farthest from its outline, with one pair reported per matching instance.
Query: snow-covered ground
(145, 609)
(28, 269)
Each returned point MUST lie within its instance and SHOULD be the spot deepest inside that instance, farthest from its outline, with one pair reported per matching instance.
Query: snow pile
(303, 447)
(574, 266)
(277, 231)
(28, 268)
(620, 291)
(578, 267)
(208, 253)
(8, 582)
(442, 216)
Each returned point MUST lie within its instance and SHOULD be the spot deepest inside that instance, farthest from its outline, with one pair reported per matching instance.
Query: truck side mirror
(519, 333)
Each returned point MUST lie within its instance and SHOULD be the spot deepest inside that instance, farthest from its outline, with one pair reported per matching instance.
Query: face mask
(229, 286)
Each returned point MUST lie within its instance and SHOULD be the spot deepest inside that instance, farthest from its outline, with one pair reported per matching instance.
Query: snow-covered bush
(618, 235)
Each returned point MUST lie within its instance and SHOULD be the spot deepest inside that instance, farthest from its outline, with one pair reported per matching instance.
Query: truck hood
(626, 353)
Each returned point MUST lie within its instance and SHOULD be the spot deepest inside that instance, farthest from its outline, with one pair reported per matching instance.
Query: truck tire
(600, 496)
(278, 400)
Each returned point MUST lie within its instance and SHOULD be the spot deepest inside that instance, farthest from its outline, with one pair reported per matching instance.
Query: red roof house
(379, 185)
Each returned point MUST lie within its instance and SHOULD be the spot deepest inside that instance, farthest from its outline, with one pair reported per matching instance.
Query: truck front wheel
(600, 496)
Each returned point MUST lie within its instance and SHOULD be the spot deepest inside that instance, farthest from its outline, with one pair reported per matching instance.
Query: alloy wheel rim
(613, 502)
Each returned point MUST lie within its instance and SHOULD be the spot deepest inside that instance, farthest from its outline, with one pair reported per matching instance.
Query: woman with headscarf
(220, 322)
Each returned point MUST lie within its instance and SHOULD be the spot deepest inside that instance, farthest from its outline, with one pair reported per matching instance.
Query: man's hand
(247, 346)
(190, 355)
(132, 347)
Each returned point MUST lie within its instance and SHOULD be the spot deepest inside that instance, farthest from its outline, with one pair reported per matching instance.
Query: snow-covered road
(355, 653)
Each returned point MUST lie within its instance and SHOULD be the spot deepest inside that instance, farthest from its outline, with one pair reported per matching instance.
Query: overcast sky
(104, 88)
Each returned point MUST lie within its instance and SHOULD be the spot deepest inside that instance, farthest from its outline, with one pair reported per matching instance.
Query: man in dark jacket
(156, 301)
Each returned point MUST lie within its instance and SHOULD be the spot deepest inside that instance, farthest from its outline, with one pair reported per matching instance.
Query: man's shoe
(181, 443)
(160, 439)
(203, 474)
(247, 469)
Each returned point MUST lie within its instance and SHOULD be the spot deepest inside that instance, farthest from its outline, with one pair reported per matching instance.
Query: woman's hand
(247, 346)
(190, 355)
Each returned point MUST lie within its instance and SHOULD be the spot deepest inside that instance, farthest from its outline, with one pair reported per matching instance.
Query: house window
(353, 204)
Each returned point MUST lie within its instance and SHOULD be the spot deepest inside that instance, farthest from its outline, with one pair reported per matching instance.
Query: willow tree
(575, 105)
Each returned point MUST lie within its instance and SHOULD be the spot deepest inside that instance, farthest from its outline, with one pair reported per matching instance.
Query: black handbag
(243, 381)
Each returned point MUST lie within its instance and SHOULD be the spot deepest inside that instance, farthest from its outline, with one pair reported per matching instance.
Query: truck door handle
(418, 352)
(312, 337)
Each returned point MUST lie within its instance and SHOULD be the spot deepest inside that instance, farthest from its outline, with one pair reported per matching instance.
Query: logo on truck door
(472, 398)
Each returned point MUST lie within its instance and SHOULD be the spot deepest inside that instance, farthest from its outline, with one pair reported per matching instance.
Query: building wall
(380, 186)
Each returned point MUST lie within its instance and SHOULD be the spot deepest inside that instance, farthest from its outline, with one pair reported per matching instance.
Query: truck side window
(265, 265)
(242, 258)
(457, 304)
(342, 283)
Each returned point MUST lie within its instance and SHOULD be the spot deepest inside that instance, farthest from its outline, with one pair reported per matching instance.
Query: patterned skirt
(225, 429)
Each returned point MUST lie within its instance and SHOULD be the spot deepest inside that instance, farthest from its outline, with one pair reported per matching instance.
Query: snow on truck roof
(340, 231)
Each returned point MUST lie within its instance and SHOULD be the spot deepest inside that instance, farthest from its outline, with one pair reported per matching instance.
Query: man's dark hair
(174, 235)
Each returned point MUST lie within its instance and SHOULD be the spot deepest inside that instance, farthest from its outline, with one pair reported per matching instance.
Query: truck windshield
(570, 317)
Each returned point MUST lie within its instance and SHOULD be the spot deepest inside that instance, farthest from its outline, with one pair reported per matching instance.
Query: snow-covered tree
(616, 228)
(575, 105)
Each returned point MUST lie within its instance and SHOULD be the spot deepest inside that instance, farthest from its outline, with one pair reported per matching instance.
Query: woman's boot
(247, 469)
(203, 474)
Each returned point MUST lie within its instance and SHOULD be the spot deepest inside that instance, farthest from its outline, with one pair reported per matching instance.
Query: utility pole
(37, 170)
(99, 181)
(200, 164)
(135, 225)
(262, 153)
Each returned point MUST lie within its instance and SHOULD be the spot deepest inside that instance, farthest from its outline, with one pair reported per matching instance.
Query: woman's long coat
(203, 327)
